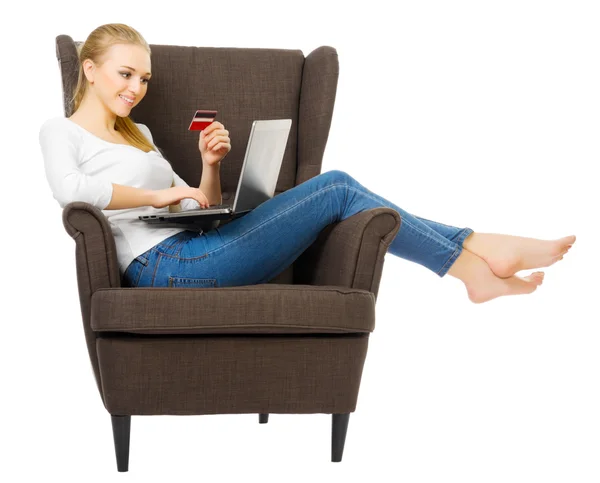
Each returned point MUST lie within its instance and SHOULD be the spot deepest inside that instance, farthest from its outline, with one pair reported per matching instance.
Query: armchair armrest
(96, 263)
(350, 253)
(95, 251)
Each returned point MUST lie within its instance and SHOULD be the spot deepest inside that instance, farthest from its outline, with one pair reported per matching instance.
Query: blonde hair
(96, 48)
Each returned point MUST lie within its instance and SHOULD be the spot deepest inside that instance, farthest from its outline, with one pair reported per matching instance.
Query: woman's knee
(338, 176)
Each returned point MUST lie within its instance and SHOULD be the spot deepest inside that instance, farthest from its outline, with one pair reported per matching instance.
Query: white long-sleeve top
(82, 167)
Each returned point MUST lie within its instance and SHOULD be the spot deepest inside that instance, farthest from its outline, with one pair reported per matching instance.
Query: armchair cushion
(260, 309)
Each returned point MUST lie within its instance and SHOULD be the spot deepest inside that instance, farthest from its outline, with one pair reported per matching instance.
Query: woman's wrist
(215, 166)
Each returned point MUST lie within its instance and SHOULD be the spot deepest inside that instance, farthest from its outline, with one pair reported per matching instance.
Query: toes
(536, 277)
(533, 281)
(563, 245)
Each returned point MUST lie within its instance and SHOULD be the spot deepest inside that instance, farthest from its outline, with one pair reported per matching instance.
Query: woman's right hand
(173, 195)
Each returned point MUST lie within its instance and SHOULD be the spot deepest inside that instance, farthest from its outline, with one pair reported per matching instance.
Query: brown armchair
(294, 345)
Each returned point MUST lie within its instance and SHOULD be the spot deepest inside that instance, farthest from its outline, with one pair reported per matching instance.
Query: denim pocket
(134, 271)
(192, 282)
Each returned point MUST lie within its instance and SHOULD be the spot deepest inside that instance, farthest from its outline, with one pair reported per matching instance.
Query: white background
(472, 113)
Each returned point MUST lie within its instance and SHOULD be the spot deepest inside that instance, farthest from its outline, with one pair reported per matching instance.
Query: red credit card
(202, 119)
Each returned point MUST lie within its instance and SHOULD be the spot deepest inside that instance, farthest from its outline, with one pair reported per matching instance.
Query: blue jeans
(258, 246)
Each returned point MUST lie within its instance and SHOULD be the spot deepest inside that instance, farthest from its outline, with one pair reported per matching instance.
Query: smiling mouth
(129, 103)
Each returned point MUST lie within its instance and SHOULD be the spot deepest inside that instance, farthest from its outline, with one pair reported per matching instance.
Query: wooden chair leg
(121, 426)
(263, 418)
(339, 428)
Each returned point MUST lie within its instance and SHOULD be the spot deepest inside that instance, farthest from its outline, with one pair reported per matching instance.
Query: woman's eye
(127, 73)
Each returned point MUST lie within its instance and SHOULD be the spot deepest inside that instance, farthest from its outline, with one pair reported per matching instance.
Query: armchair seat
(259, 309)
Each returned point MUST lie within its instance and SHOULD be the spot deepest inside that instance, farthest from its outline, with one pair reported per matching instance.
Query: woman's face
(125, 73)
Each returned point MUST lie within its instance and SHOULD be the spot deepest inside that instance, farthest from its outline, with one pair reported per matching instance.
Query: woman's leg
(447, 231)
(258, 246)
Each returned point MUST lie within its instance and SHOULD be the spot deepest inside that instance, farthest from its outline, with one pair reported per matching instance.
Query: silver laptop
(258, 179)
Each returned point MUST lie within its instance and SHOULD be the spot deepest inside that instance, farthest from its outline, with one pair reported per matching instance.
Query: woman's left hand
(214, 143)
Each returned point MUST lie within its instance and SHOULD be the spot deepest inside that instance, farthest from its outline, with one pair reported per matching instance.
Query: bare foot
(486, 288)
(483, 285)
(507, 254)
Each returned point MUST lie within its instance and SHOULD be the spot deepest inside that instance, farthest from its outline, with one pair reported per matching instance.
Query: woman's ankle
(467, 267)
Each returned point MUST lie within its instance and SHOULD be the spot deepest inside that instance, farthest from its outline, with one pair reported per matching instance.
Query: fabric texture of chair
(294, 345)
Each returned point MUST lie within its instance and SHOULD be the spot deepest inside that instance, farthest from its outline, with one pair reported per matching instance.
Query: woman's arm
(210, 184)
(129, 197)
(67, 182)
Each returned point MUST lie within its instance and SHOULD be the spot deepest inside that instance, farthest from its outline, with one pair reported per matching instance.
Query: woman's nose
(135, 88)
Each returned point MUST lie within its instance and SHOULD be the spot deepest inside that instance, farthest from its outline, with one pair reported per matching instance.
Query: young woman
(100, 156)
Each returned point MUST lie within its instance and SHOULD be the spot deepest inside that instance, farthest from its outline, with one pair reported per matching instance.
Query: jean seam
(155, 269)
(452, 258)
(179, 246)
(464, 233)
(213, 281)
(183, 259)
(173, 244)
(176, 246)
(439, 223)
(446, 243)
(139, 276)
